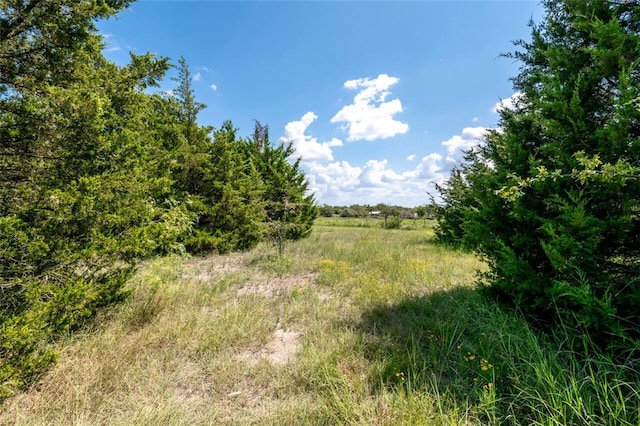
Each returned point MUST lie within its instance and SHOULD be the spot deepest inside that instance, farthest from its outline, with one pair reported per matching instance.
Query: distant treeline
(379, 210)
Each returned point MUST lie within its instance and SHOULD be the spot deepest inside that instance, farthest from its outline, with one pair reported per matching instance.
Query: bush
(551, 199)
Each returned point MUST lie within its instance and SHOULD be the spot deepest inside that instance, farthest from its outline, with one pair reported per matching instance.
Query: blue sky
(379, 98)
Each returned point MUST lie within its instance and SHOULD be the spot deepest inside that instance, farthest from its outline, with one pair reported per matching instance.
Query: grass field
(356, 325)
(374, 222)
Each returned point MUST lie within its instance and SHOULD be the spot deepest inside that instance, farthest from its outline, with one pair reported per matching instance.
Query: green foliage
(38, 40)
(393, 223)
(213, 176)
(460, 203)
(229, 202)
(82, 197)
(97, 174)
(290, 209)
(552, 198)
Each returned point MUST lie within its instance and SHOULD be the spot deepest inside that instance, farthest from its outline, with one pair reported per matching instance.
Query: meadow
(355, 325)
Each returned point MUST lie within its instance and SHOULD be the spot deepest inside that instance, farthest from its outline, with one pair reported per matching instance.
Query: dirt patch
(284, 344)
(281, 349)
(274, 286)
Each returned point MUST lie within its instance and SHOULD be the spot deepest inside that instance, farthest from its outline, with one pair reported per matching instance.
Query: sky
(379, 98)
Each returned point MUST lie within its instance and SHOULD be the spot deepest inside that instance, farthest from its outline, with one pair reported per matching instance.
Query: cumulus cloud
(377, 180)
(377, 174)
(336, 176)
(370, 116)
(340, 183)
(307, 146)
(457, 145)
(509, 103)
(197, 77)
(429, 168)
(214, 87)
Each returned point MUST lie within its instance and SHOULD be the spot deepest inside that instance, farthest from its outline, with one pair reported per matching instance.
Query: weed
(381, 327)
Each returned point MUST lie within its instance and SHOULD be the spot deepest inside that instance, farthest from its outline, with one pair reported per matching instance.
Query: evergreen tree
(211, 175)
(81, 196)
(555, 212)
(189, 107)
(191, 160)
(459, 202)
(229, 204)
(290, 210)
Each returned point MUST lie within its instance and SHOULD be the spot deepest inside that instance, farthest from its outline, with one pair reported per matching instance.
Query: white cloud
(197, 77)
(458, 144)
(509, 103)
(376, 180)
(429, 168)
(376, 174)
(338, 176)
(214, 87)
(111, 44)
(370, 117)
(307, 146)
(475, 119)
(340, 183)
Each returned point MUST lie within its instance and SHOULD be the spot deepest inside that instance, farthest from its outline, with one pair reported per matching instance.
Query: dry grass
(239, 339)
(354, 326)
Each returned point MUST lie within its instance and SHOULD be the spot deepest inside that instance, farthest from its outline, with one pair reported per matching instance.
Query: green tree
(459, 202)
(326, 210)
(229, 202)
(212, 176)
(38, 38)
(190, 142)
(81, 194)
(560, 232)
(189, 107)
(290, 209)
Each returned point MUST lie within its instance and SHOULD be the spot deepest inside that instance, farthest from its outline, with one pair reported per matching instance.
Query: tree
(392, 212)
(81, 194)
(460, 203)
(212, 176)
(38, 38)
(555, 211)
(229, 203)
(290, 209)
(189, 107)
(326, 210)
(191, 142)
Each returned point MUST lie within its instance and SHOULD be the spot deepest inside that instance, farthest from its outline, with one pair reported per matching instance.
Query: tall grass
(383, 327)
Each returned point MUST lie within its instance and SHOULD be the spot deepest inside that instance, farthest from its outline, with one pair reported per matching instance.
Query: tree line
(365, 210)
(97, 173)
